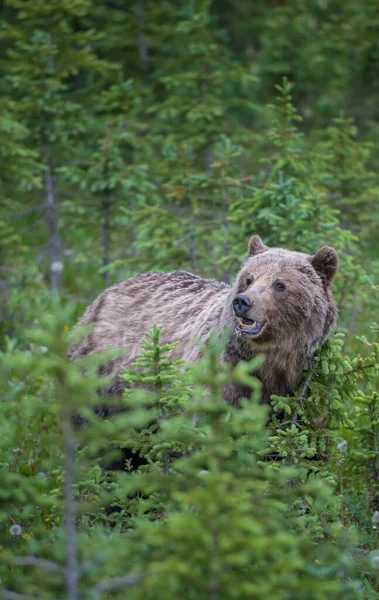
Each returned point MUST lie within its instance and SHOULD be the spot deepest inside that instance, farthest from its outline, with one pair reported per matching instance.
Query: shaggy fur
(298, 314)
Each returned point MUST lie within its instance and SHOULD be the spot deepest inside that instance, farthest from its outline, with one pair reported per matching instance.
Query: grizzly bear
(280, 305)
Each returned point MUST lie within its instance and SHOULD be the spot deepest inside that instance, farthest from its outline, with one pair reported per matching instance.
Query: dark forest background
(160, 135)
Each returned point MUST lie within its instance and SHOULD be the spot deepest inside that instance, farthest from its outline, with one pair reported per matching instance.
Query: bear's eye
(279, 286)
(249, 281)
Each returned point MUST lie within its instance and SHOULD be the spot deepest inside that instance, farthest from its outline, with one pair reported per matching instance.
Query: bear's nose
(241, 305)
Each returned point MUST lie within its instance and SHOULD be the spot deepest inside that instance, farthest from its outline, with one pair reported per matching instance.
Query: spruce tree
(42, 63)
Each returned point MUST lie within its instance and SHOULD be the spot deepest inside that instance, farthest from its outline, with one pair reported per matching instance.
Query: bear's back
(185, 305)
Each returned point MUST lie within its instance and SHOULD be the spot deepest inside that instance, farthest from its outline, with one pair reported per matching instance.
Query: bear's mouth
(249, 327)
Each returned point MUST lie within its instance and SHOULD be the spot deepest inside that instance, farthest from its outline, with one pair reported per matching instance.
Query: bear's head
(283, 299)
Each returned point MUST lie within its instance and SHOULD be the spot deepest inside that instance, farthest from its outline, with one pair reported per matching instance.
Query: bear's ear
(325, 263)
(255, 246)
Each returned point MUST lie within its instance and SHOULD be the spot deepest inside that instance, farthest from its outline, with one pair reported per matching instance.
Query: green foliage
(350, 182)
(154, 370)
(201, 82)
(147, 136)
(192, 501)
(155, 375)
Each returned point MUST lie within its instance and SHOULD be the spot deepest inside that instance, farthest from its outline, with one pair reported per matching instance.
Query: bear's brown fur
(286, 296)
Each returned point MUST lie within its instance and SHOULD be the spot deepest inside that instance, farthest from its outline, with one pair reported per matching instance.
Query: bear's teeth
(245, 325)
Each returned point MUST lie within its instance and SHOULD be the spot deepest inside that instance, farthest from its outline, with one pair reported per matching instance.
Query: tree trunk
(226, 231)
(72, 573)
(55, 243)
(194, 257)
(143, 53)
(106, 237)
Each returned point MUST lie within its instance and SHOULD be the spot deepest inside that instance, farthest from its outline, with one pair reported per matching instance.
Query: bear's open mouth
(249, 327)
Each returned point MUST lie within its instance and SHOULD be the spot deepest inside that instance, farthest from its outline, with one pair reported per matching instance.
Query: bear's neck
(281, 370)
(280, 373)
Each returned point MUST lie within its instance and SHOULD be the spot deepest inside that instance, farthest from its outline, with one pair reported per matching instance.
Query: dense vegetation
(160, 135)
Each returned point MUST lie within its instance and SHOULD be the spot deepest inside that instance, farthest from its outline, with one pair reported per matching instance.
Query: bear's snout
(241, 304)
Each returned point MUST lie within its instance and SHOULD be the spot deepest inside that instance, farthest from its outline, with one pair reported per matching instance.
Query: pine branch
(303, 392)
(9, 595)
(38, 562)
(118, 582)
